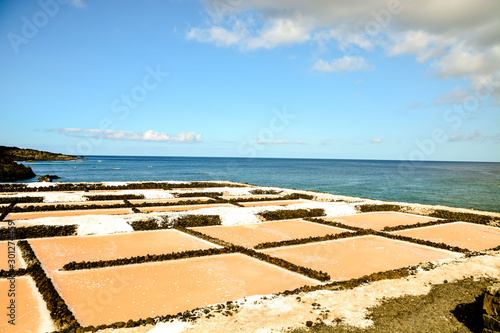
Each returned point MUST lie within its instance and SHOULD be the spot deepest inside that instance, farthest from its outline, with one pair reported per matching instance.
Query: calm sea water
(456, 184)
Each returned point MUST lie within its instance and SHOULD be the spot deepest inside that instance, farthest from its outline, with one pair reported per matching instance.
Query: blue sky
(288, 78)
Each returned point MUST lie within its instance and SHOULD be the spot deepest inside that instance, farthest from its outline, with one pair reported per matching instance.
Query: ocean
(455, 184)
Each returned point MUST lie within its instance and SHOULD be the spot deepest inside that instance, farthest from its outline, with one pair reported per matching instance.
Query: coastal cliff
(20, 154)
(12, 171)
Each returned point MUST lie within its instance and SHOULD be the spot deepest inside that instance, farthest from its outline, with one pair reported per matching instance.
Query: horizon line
(297, 158)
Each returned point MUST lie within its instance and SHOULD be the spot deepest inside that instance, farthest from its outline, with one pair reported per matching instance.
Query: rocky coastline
(12, 171)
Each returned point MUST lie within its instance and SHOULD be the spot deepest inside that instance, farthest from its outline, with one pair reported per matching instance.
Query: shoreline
(37, 187)
(445, 183)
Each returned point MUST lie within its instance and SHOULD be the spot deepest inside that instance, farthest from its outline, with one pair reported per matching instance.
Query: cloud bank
(150, 135)
(457, 38)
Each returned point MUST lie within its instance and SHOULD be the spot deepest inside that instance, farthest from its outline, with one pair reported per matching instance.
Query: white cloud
(462, 62)
(487, 85)
(216, 35)
(346, 63)
(459, 38)
(481, 87)
(455, 96)
(280, 32)
(345, 37)
(376, 140)
(472, 136)
(150, 135)
(277, 32)
(420, 43)
(280, 142)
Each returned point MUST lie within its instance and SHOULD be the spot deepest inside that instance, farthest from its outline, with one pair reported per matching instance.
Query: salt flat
(273, 231)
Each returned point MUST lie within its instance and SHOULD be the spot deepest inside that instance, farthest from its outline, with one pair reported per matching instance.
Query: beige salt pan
(31, 312)
(465, 235)
(354, 257)
(180, 208)
(379, 220)
(250, 235)
(36, 215)
(6, 250)
(77, 203)
(54, 253)
(272, 203)
(104, 296)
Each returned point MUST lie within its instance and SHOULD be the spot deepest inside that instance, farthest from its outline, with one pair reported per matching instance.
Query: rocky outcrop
(12, 171)
(19, 154)
(47, 178)
(491, 309)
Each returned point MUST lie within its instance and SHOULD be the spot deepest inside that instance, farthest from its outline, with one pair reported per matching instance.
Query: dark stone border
(73, 266)
(438, 213)
(306, 240)
(20, 199)
(186, 221)
(263, 192)
(416, 225)
(311, 273)
(208, 238)
(189, 221)
(465, 217)
(39, 231)
(178, 203)
(100, 186)
(296, 196)
(442, 246)
(65, 207)
(212, 195)
(236, 200)
(145, 225)
(6, 211)
(15, 273)
(333, 224)
(103, 197)
(368, 208)
(287, 214)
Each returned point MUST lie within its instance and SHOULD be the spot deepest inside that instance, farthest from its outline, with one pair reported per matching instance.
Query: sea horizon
(450, 183)
(297, 158)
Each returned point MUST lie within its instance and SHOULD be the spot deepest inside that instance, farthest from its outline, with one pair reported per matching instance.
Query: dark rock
(491, 305)
(491, 322)
(47, 178)
(12, 171)
(491, 309)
